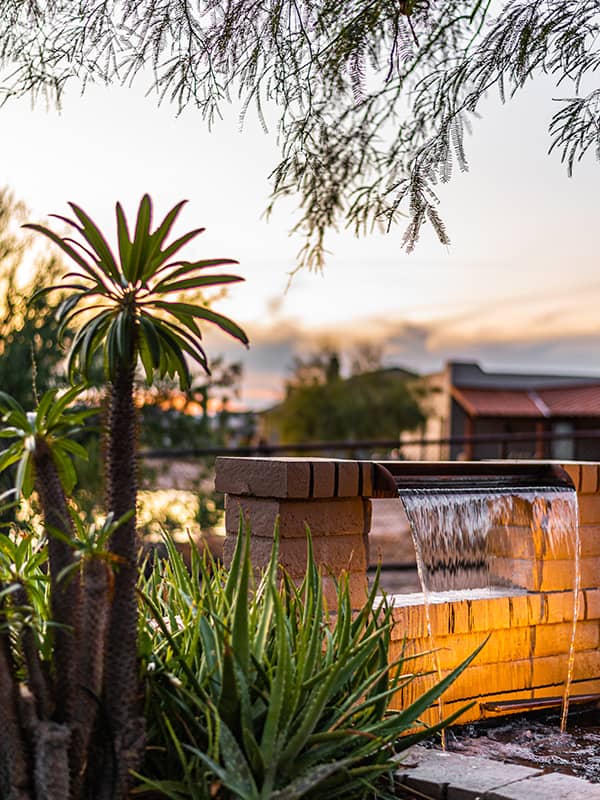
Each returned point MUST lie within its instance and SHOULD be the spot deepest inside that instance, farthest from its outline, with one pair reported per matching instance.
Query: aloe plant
(262, 694)
(132, 310)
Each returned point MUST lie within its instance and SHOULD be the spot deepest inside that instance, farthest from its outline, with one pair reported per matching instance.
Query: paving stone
(551, 786)
(453, 776)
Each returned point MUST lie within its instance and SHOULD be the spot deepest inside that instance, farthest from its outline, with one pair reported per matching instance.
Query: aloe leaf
(236, 562)
(407, 717)
(303, 784)
(278, 689)
(267, 606)
(236, 764)
(240, 628)
(158, 238)
(229, 699)
(44, 404)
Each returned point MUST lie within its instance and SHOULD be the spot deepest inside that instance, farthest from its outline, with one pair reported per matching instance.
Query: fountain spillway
(514, 581)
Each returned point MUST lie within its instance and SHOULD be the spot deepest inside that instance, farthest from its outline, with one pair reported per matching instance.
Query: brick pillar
(331, 497)
(586, 479)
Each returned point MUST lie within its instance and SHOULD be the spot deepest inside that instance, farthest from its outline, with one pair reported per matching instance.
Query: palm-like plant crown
(54, 423)
(130, 302)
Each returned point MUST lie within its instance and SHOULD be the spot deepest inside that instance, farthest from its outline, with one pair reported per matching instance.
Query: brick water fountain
(526, 603)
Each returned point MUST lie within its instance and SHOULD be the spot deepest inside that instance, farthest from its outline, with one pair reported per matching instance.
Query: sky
(517, 289)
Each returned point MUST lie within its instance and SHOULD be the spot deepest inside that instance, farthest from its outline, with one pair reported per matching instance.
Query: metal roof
(562, 401)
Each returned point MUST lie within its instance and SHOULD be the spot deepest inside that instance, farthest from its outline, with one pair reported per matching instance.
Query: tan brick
(590, 604)
(323, 479)
(589, 536)
(574, 472)
(366, 471)
(454, 617)
(333, 554)
(336, 517)
(526, 609)
(590, 572)
(589, 509)
(559, 607)
(368, 512)
(263, 477)
(347, 478)
(519, 572)
(589, 479)
(511, 540)
(410, 621)
(554, 639)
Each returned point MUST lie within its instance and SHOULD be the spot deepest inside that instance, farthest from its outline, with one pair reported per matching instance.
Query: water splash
(472, 539)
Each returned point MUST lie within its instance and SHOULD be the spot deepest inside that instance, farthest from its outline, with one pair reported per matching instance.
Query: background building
(509, 415)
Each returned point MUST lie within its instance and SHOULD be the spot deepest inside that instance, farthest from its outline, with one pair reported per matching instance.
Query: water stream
(486, 539)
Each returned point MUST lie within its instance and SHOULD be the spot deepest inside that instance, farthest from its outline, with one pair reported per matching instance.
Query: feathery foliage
(371, 98)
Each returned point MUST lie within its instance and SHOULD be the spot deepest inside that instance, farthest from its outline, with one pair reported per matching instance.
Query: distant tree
(366, 357)
(327, 407)
(170, 417)
(30, 358)
(372, 97)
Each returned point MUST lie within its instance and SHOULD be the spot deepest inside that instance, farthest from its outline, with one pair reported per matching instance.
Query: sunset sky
(518, 288)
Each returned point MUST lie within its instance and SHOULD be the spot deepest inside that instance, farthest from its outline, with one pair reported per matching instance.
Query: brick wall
(529, 625)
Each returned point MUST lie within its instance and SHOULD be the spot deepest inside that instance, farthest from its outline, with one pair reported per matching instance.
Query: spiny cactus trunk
(121, 689)
(65, 598)
(97, 594)
(14, 761)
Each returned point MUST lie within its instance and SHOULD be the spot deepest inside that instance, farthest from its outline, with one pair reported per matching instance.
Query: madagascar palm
(131, 308)
(41, 446)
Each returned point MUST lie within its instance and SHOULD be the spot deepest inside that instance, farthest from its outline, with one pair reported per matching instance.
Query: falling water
(463, 541)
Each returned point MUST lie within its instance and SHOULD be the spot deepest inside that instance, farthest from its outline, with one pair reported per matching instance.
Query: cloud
(542, 340)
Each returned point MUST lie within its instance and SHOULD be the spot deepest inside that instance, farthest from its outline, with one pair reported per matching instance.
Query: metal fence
(366, 448)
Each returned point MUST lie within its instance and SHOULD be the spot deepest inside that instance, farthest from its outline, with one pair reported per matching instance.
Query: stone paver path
(452, 776)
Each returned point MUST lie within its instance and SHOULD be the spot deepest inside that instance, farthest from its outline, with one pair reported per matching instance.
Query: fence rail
(370, 445)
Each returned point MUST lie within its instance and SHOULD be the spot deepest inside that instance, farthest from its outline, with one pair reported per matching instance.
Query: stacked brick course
(331, 497)
(529, 624)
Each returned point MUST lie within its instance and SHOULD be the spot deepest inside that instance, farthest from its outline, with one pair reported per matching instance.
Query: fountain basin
(528, 620)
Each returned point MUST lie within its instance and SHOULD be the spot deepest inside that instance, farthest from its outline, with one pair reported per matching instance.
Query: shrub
(258, 691)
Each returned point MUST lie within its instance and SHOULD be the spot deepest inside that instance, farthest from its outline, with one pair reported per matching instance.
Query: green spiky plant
(258, 692)
(128, 306)
(41, 445)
